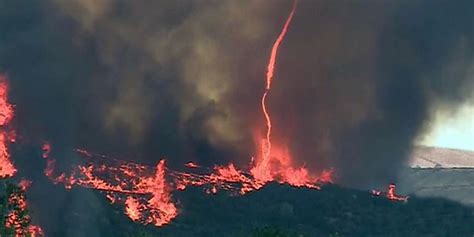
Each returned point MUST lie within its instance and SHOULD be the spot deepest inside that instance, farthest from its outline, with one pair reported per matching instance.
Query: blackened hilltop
(333, 211)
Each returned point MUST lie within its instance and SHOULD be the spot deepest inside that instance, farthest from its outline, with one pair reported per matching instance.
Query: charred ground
(333, 211)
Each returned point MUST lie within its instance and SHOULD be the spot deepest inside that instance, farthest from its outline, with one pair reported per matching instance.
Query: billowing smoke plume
(355, 82)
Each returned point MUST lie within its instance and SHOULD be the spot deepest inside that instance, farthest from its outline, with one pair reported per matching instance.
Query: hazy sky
(452, 130)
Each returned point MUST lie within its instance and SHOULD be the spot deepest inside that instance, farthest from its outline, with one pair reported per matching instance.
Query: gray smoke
(356, 81)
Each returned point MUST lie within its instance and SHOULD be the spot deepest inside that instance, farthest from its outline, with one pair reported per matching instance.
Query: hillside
(440, 172)
(334, 211)
(436, 157)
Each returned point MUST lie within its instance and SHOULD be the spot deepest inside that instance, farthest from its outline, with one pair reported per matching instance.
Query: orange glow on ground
(391, 194)
(142, 190)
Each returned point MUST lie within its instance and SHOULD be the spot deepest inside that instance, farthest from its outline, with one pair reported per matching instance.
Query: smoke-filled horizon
(355, 82)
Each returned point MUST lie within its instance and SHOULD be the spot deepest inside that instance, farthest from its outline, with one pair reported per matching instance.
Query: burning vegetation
(16, 219)
(145, 192)
(6, 133)
(390, 194)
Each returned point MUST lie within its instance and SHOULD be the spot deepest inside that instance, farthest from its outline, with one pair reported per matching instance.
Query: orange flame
(132, 209)
(16, 218)
(46, 147)
(6, 109)
(6, 114)
(6, 166)
(262, 171)
(223, 177)
(276, 163)
(146, 197)
(35, 231)
(191, 165)
(390, 194)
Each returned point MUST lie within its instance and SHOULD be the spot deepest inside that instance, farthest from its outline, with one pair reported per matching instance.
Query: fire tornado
(262, 170)
(266, 150)
(146, 192)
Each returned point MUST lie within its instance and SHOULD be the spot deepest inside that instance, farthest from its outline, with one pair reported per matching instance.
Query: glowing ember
(223, 177)
(48, 171)
(191, 165)
(35, 231)
(46, 150)
(17, 218)
(390, 194)
(84, 152)
(24, 184)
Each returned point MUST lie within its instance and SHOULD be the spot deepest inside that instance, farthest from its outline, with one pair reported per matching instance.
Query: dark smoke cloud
(424, 59)
(355, 84)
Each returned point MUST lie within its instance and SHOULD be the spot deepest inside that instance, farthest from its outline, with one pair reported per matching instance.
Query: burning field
(144, 191)
(171, 109)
